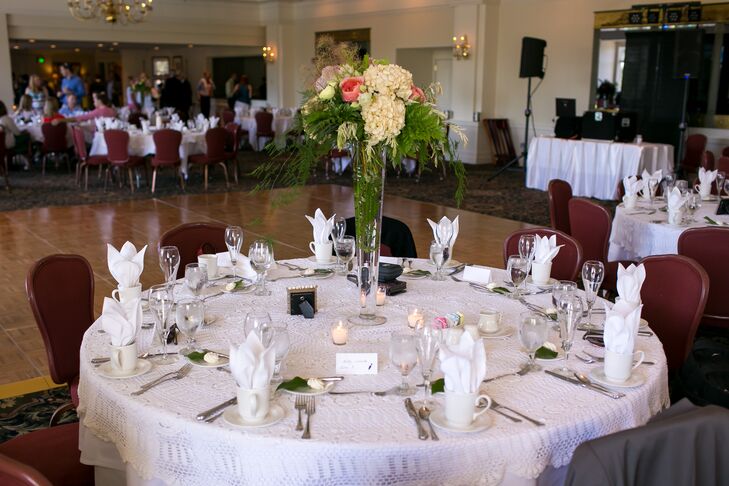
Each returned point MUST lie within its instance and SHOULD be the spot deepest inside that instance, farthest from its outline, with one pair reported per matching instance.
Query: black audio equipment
(532, 57)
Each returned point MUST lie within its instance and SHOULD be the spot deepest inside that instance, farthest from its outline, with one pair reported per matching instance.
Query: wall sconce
(269, 55)
(461, 47)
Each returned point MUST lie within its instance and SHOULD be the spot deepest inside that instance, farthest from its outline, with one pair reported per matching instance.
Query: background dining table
(280, 125)
(36, 132)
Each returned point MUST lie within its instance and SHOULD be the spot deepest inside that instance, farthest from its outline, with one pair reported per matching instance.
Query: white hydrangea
(384, 117)
(388, 79)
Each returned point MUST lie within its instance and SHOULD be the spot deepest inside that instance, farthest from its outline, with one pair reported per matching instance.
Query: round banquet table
(280, 125)
(36, 132)
(356, 439)
(640, 232)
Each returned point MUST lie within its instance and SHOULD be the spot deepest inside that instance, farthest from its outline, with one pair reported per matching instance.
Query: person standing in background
(205, 88)
(230, 87)
(70, 83)
(185, 97)
(37, 93)
(244, 92)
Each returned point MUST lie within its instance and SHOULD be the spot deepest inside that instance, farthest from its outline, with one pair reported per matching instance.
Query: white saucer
(141, 368)
(560, 355)
(275, 414)
(332, 260)
(221, 362)
(549, 283)
(481, 423)
(452, 264)
(310, 392)
(503, 331)
(643, 324)
(598, 376)
(710, 198)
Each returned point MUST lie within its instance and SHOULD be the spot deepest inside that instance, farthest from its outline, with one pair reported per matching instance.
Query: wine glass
(427, 346)
(682, 186)
(693, 204)
(527, 247)
(439, 256)
(344, 248)
(518, 268)
(259, 322)
(261, 255)
(404, 356)
(570, 313)
(533, 330)
(593, 273)
(281, 343)
(561, 288)
(652, 188)
(161, 304)
(667, 184)
(339, 228)
(720, 178)
(196, 276)
(169, 262)
(234, 240)
(190, 315)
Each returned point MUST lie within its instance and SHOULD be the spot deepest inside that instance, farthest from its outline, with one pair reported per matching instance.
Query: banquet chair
(4, 155)
(681, 445)
(722, 164)
(117, 145)
(725, 152)
(193, 239)
(232, 146)
(674, 296)
(710, 248)
(228, 116)
(707, 160)
(396, 238)
(84, 159)
(215, 153)
(45, 457)
(560, 193)
(166, 154)
(60, 290)
(565, 266)
(54, 144)
(264, 126)
(695, 148)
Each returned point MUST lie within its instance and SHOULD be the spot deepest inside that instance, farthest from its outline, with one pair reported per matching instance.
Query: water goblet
(234, 241)
(667, 184)
(439, 256)
(190, 315)
(527, 247)
(682, 185)
(720, 178)
(569, 310)
(518, 268)
(428, 339)
(261, 255)
(196, 277)
(533, 329)
(339, 228)
(281, 343)
(693, 204)
(169, 262)
(561, 288)
(259, 322)
(161, 303)
(652, 189)
(593, 273)
(344, 248)
(404, 356)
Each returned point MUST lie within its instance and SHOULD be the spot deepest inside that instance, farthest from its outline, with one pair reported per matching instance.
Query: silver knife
(422, 434)
(216, 410)
(574, 381)
(141, 356)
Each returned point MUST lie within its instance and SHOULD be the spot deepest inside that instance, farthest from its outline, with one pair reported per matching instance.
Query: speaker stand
(682, 126)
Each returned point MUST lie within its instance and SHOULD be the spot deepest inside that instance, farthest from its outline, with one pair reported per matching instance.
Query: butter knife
(216, 410)
(574, 381)
(422, 434)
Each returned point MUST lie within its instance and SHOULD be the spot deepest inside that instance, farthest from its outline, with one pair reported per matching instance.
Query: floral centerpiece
(373, 109)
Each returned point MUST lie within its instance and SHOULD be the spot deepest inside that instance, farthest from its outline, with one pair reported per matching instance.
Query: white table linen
(356, 439)
(280, 125)
(635, 236)
(592, 167)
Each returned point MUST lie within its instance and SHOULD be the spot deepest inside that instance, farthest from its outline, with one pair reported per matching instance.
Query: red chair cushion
(565, 266)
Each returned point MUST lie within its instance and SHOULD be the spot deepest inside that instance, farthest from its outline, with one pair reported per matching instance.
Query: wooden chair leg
(86, 178)
(106, 176)
(154, 179)
(206, 178)
(182, 178)
(43, 165)
(130, 173)
(225, 173)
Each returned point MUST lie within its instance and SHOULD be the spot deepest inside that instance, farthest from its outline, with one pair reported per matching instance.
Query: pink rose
(350, 88)
(417, 94)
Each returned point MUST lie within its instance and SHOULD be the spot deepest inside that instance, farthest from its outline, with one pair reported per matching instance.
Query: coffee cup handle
(115, 358)
(311, 247)
(485, 409)
(697, 187)
(115, 295)
(640, 359)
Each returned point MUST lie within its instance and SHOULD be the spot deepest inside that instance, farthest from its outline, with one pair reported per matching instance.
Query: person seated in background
(71, 107)
(25, 108)
(50, 111)
(101, 110)
(12, 132)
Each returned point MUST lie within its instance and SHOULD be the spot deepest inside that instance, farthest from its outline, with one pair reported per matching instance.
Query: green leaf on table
(197, 356)
(416, 273)
(437, 386)
(293, 384)
(710, 221)
(501, 290)
(552, 315)
(545, 353)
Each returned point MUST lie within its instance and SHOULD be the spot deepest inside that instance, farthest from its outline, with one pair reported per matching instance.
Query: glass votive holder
(381, 293)
(340, 333)
(416, 317)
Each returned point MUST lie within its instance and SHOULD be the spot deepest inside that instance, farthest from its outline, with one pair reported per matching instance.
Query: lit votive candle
(339, 333)
(381, 292)
(415, 318)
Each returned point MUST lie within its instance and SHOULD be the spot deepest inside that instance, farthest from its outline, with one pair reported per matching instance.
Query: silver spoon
(425, 415)
(586, 381)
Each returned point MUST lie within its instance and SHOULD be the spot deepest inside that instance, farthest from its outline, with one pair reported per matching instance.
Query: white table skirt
(635, 236)
(356, 439)
(141, 144)
(592, 167)
(280, 125)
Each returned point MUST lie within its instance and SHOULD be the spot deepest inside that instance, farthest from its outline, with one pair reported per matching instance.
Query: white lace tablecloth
(280, 125)
(636, 234)
(142, 144)
(592, 167)
(356, 439)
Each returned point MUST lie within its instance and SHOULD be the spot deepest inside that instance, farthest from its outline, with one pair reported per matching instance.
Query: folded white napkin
(174, 118)
(675, 200)
(463, 364)
(445, 231)
(251, 364)
(322, 226)
(121, 322)
(646, 176)
(630, 281)
(632, 185)
(214, 121)
(145, 125)
(546, 249)
(621, 330)
(200, 118)
(126, 265)
(707, 177)
(243, 265)
(99, 122)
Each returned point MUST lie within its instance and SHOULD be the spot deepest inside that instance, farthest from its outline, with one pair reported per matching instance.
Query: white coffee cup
(211, 263)
(541, 272)
(675, 217)
(460, 408)
(619, 366)
(123, 359)
(322, 251)
(253, 405)
(127, 294)
(629, 201)
(489, 320)
(704, 190)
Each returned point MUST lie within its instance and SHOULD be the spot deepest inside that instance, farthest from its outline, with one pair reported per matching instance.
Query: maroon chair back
(232, 137)
(722, 164)
(54, 137)
(695, 147)
(674, 296)
(215, 141)
(193, 239)
(15, 473)
(228, 116)
(79, 142)
(565, 266)
(707, 160)
(264, 123)
(590, 224)
(167, 146)
(117, 145)
(725, 152)
(60, 290)
(710, 247)
(560, 193)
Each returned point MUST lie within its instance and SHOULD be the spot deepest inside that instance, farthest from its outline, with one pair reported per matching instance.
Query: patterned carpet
(25, 413)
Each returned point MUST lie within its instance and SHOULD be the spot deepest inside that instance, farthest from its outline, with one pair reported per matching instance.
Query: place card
(477, 274)
(356, 363)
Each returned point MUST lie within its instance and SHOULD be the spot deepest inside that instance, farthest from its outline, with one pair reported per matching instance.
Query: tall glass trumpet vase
(369, 187)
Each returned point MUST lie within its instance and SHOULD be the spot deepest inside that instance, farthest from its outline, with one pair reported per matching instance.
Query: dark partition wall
(252, 66)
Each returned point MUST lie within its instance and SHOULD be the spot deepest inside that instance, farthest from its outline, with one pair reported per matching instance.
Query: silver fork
(156, 380)
(300, 405)
(183, 372)
(310, 410)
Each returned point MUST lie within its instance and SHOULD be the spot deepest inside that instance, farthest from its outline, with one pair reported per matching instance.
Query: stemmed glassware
(196, 277)
(517, 268)
(161, 303)
(190, 315)
(427, 345)
(440, 255)
(261, 255)
(682, 186)
(527, 247)
(344, 248)
(720, 178)
(693, 204)
(593, 273)
(169, 262)
(561, 288)
(652, 188)
(404, 356)
(260, 323)
(533, 331)
(281, 343)
(234, 241)
(339, 228)
(667, 184)
(570, 314)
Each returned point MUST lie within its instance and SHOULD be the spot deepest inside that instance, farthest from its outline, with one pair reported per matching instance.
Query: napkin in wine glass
(445, 231)
(243, 264)
(463, 364)
(633, 185)
(675, 200)
(252, 364)
(621, 330)
(646, 176)
(630, 281)
(214, 121)
(121, 322)
(322, 226)
(546, 249)
(126, 265)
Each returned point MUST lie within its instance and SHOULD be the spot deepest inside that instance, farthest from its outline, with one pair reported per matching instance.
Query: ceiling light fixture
(111, 11)
(32, 41)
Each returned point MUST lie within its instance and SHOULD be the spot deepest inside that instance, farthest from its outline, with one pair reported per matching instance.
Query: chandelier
(111, 11)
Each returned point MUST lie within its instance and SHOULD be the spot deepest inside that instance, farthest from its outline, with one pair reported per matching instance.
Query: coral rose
(350, 88)
(417, 94)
